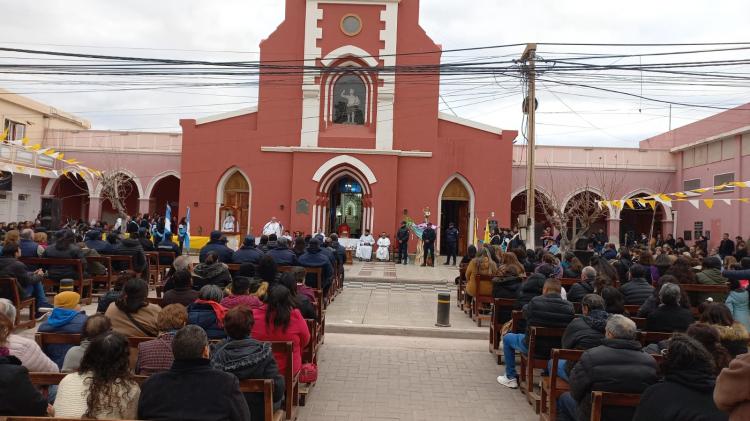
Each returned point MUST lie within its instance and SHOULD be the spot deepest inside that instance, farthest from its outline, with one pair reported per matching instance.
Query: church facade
(345, 143)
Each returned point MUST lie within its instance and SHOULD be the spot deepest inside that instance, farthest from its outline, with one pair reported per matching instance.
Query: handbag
(308, 373)
(507, 328)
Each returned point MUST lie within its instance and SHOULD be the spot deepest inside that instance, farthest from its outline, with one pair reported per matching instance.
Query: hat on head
(249, 240)
(67, 299)
(66, 285)
(215, 235)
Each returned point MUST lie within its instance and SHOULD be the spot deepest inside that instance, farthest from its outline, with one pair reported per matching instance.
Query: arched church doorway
(166, 190)
(518, 208)
(345, 207)
(641, 219)
(234, 191)
(455, 208)
(73, 193)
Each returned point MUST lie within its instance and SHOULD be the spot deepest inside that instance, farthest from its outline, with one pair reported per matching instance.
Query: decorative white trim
(291, 149)
(131, 175)
(734, 132)
(157, 178)
(470, 123)
(387, 91)
(326, 183)
(220, 195)
(345, 159)
(310, 90)
(349, 51)
(472, 199)
(594, 190)
(224, 116)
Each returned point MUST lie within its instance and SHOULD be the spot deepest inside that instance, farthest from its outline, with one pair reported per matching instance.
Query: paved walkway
(369, 377)
(391, 272)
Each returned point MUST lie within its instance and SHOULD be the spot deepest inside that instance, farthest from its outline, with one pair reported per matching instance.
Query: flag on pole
(476, 237)
(168, 219)
(187, 230)
(487, 232)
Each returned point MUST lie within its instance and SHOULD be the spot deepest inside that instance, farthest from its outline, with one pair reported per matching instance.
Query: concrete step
(412, 331)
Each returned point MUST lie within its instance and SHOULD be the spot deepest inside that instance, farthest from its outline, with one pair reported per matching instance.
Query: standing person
(192, 389)
(726, 247)
(384, 244)
(403, 243)
(182, 232)
(451, 243)
(103, 387)
(428, 238)
(737, 302)
(273, 227)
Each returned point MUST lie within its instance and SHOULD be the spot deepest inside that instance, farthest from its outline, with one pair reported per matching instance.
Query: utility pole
(529, 56)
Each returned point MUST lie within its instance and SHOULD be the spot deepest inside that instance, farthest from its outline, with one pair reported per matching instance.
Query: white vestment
(382, 253)
(228, 225)
(272, 228)
(364, 249)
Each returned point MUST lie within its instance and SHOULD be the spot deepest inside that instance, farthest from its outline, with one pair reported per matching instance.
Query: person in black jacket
(248, 252)
(94, 241)
(167, 245)
(314, 258)
(64, 248)
(617, 365)
(247, 358)
(687, 390)
(726, 246)
(428, 239)
(192, 389)
(145, 240)
(653, 302)
(451, 243)
(28, 281)
(216, 244)
(282, 254)
(301, 301)
(506, 286)
(547, 310)
(18, 396)
(637, 290)
(587, 331)
(131, 247)
(402, 236)
(669, 316)
(586, 286)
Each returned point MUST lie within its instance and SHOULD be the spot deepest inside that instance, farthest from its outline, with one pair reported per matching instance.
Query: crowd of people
(704, 357)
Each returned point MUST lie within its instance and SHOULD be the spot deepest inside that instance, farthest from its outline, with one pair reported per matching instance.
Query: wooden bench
(80, 282)
(553, 386)
(10, 289)
(291, 401)
(632, 309)
(159, 301)
(108, 279)
(496, 324)
(121, 262)
(529, 362)
(480, 299)
(152, 260)
(719, 289)
(640, 322)
(568, 282)
(646, 338)
(601, 399)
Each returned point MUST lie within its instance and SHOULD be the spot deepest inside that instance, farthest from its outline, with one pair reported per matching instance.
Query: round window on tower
(351, 25)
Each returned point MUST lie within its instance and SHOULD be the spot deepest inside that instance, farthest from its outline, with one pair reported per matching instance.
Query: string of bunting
(39, 150)
(690, 196)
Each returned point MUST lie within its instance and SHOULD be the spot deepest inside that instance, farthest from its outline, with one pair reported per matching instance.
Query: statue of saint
(352, 105)
(228, 224)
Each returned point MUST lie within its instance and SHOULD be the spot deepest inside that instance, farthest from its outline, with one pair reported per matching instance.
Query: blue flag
(187, 230)
(168, 219)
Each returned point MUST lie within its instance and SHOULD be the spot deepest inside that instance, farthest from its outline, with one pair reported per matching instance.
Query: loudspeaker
(51, 211)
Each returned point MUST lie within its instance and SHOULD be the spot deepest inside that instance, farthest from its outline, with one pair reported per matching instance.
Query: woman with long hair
(483, 264)
(733, 334)
(278, 320)
(682, 269)
(103, 387)
(709, 337)
(508, 260)
(131, 314)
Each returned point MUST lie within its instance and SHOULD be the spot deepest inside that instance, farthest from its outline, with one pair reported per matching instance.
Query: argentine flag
(168, 219)
(187, 230)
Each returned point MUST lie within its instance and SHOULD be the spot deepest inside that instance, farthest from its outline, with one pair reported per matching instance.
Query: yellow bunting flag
(744, 200)
(680, 194)
(4, 135)
(664, 198)
(25, 141)
(701, 190)
(629, 203)
(35, 147)
(49, 152)
(617, 204)
(42, 171)
(738, 183)
(709, 203)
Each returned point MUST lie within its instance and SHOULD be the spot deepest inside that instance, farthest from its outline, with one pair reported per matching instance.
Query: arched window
(350, 100)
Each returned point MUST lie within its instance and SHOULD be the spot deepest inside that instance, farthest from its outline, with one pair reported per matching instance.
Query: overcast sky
(232, 29)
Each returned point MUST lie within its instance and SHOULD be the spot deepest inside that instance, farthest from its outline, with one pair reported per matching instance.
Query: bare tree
(574, 219)
(116, 188)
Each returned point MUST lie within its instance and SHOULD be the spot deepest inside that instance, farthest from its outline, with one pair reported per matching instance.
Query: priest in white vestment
(383, 245)
(273, 227)
(364, 249)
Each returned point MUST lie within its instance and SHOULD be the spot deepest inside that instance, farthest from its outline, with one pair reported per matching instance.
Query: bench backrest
(285, 350)
(43, 339)
(9, 289)
(722, 289)
(601, 399)
(554, 334)
(568, 355)
(53, 261)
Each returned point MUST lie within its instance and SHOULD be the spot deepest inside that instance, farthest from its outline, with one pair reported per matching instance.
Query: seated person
(585, 286)
(93, 240)
(155, 356)
(64, 248)
(113, 294)
(241, 295)
(191, 388)
(617, 365)
(314, 258)
(211, 271)
(67, 317)
(669, 316)
(731, 393)
(19, 396)
(637, 290)
(710, 274)
(282, 254)
(26, 350)
(247, 358)
(586, 331)
(207, 312)
(248, 252)
(218, 245)
(689, 374)
(546, 310)
(183, 292)
(131, 247)
(302, 302)
(733, 334)
(167, 245)
(95, 325)
(30, 283)
(103, 387)
(132, 314)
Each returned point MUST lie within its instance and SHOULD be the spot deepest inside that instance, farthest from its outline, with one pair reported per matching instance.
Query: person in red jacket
(279, 320)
